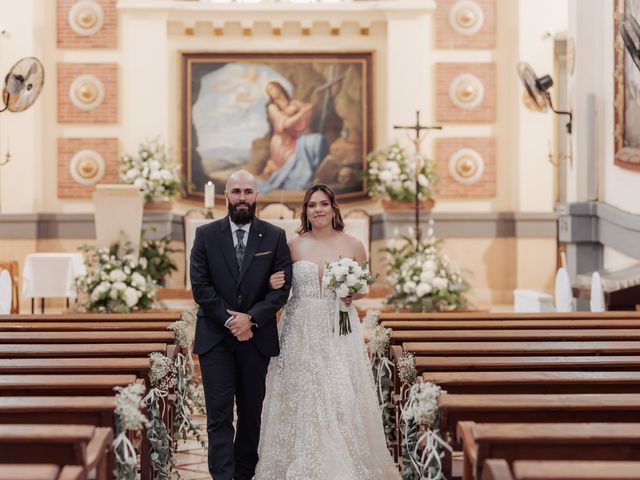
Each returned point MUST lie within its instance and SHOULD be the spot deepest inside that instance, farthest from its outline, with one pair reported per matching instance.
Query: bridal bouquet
(346, 277)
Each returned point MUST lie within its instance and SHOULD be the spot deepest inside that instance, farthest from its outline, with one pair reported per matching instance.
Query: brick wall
(106, 37)
(68, 147)
(447, 111)
(486, 184)
(107, 112)
(447, 37)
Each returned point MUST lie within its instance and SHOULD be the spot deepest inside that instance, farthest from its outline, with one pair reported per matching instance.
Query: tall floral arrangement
(391, 174)
(158, 254)
(152, 170)
(116, 281)
(422, 277)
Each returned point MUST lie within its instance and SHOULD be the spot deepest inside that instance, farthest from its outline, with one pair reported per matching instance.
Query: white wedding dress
(320, 419)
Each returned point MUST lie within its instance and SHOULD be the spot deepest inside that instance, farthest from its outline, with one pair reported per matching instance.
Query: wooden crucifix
(420, 134)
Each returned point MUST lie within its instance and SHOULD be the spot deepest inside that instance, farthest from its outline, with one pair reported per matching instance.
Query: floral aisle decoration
(129, 421)
(162, 380)
(152, 170)
(381, 367)
(371, 319)
(422, 278)
(158, 256)
(189, 399)
(116, 281)
(391, 175)
(346, 277)
(422, 446)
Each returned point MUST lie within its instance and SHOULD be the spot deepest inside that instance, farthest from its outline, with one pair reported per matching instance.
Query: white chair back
(6, 292)
(596, 302)
(564, 294)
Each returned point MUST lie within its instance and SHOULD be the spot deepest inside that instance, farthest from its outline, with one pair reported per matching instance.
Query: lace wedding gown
(321, 419)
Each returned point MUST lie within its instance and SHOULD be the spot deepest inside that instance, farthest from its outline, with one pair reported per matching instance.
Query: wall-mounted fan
(537, 91)
(630, 33)
(22, 85)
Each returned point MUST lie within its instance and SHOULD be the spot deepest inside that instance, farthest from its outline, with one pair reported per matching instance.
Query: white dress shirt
(235, 227)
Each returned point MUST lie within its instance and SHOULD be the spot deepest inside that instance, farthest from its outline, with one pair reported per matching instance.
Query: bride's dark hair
(337, 222)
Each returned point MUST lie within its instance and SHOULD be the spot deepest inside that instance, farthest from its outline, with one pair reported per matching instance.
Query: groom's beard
(242, 217)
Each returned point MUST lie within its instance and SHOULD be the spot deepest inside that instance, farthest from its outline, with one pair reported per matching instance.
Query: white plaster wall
(615, 259)
(22, 179)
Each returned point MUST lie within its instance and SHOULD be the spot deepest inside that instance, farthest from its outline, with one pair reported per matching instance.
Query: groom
(236, 335)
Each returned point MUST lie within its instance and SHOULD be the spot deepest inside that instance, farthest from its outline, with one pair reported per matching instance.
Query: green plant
(158, 254)
(391, 174)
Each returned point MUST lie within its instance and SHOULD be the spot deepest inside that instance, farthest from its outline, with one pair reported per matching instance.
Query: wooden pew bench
(64, 385)
(526, 335)
(487, 349)
(81, 326)
(535, 382)
(116, 350)
(512, 324)
(97, 411)
(13, 471)
(82, 445)
(135, 366)
(93, 317)
(479, 316)
(575, 470)
(134, 336)
(546, 441)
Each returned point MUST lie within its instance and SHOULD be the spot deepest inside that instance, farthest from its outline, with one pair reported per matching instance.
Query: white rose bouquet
(346, 277)
(153, 171)
(116, 281)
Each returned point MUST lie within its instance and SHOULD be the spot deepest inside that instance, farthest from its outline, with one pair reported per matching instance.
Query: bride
(321, 418)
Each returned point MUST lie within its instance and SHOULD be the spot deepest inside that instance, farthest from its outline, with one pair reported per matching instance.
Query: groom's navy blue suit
(230, 367)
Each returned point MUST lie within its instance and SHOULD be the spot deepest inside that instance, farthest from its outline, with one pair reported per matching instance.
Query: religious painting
(627, 94)
(291, 119)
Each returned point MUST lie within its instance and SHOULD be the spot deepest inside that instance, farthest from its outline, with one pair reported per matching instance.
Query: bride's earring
(334, 222)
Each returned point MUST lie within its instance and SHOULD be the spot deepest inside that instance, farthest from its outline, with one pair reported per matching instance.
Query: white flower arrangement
(129, 418)
(381, 368)
(422, 278)
(378, 344)
(152, 171)
(346, 277)
(422, 404)
(182, 330)
(161, 374)
(116, 281)
(391, 174)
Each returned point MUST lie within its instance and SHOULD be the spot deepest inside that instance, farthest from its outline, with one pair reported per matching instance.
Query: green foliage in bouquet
(391, 175)
(422, 278)
(116, 281)
(158, 254)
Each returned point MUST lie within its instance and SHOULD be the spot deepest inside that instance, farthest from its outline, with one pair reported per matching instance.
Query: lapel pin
(260, 235)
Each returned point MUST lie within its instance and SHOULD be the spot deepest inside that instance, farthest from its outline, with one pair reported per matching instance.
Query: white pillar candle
(209, 194)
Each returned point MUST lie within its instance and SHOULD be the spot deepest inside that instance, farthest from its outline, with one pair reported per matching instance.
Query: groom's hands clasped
(240, 326)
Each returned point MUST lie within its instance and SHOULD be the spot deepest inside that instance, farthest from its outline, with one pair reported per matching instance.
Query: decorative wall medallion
(86, 92)
(86, 17)
(466, 166)
(466, 17)
(466, 91)
(87, 167)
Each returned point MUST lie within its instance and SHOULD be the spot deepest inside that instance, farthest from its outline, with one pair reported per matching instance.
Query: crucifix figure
(420, 134)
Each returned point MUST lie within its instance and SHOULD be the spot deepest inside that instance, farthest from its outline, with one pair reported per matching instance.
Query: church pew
(512, 324)
(473, 382)
(135, 336)
(81, 326)
(96, 411)
(546, 441)
(528, 363)
(574, 470)
(136, 366)
(536, 408)
(496, 469)
(29, 472)
(93, 317)
(615, 334)
(65, 385)
(116, 350)
(488, 349)
(82, 445)
(418, 316)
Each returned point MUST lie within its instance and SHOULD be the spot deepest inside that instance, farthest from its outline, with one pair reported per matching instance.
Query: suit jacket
(218, 284)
